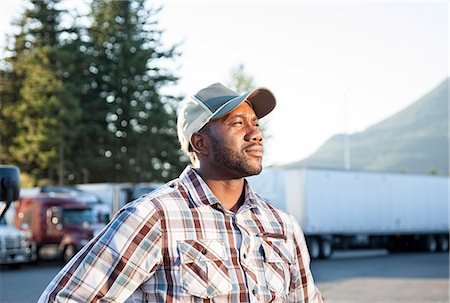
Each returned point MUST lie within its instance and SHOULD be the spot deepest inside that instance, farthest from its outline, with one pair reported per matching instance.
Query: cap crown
(215, 95)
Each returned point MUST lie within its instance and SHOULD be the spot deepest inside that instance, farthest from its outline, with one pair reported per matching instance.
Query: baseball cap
(215, 101)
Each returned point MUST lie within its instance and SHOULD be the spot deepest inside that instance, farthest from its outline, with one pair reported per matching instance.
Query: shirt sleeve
(302, 288)
(114, 264)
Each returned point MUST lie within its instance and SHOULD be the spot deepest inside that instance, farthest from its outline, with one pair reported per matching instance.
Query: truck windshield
(79, 216)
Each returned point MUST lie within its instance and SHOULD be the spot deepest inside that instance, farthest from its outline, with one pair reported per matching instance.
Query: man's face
(236, 142)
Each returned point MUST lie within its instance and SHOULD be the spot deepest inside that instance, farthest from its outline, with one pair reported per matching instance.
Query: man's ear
(199, 143)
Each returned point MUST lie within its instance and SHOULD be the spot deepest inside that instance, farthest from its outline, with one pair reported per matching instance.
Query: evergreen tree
(10, 83)
(43, 112)
(86, 104)
(130, 126)
(240, 81)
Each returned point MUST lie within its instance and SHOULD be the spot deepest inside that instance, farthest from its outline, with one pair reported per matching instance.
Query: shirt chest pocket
(277, 258)
(203, 268)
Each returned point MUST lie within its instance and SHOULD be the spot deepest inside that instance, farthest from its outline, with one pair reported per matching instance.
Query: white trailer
(341, 209)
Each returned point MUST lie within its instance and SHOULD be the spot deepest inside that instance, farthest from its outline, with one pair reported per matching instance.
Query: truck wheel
(430, 244)
(326, 249)
(314, 249)
(442, 243)
(15, 266)
(69, 252)
(394, 245)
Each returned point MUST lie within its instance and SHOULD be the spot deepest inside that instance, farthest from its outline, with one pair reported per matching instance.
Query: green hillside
(415, 140)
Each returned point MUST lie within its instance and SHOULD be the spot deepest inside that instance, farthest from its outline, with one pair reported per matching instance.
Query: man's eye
(237, 123)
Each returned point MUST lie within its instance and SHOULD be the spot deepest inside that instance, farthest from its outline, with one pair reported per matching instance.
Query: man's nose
(254, 134)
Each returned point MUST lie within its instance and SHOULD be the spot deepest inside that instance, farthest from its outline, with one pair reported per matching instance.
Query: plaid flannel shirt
(179, 244)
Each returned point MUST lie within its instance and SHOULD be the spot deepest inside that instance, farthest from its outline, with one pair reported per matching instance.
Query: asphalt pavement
(378, 277)
(371, 276)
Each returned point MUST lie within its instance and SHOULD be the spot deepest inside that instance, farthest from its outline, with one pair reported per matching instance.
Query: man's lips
(255, 150)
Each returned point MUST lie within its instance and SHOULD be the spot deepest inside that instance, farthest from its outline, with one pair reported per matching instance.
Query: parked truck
(345, 209)
(57, 221)
(16, 247)
(101, 210)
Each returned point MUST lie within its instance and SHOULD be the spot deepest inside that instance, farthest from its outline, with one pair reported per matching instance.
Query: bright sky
(316, 56)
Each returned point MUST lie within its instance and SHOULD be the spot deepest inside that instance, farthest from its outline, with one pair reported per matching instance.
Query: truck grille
(12, 243)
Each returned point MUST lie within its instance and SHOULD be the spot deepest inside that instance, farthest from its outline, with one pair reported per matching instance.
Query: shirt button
(245, 256)
(204, 251)
(254, 291)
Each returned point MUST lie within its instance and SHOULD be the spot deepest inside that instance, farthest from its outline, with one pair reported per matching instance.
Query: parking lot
(354, 277)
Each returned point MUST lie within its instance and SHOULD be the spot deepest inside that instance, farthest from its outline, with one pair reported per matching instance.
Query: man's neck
(230, 192)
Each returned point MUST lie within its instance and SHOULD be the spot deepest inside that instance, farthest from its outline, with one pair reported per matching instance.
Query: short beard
(233, 160)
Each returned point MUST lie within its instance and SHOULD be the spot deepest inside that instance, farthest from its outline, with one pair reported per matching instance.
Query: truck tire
(430, 244)
(15, 266)
(442, 243)
(326, 249)
(69, 252)
(314, 248)
(393, 245)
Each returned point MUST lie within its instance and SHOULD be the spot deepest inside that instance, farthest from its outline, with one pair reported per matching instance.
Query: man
(205, 237)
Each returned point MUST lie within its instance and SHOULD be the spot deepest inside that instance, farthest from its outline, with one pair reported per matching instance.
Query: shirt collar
(201, 194)
(251, 199)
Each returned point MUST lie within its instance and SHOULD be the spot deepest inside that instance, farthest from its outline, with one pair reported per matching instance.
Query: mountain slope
(415, 140)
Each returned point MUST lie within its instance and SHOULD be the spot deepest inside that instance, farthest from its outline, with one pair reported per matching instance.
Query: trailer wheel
(69, 252)
(314, 249)
(326, 249)
(442, 243)
(15, 266)
(430, 244)
(395, 245)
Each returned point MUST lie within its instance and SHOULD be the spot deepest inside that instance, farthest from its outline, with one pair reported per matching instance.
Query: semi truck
(349, 209)
(16, 247)
(105, 199)
(101, 210)
(58, 222)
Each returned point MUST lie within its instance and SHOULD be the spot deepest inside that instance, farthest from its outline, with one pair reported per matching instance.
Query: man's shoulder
(156, 199)
(162, 192)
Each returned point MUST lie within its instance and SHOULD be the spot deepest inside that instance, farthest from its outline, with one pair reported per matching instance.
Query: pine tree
(130, 126)
(87, 104)
(241, 81)
(43, 112)
(10, 83)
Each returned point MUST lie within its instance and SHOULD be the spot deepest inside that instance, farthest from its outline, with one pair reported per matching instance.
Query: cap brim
(261, 99)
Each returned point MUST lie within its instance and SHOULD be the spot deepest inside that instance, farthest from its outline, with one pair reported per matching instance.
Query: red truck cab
(57, 220)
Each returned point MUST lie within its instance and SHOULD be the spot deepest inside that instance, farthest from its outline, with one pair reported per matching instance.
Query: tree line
(83, 97)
